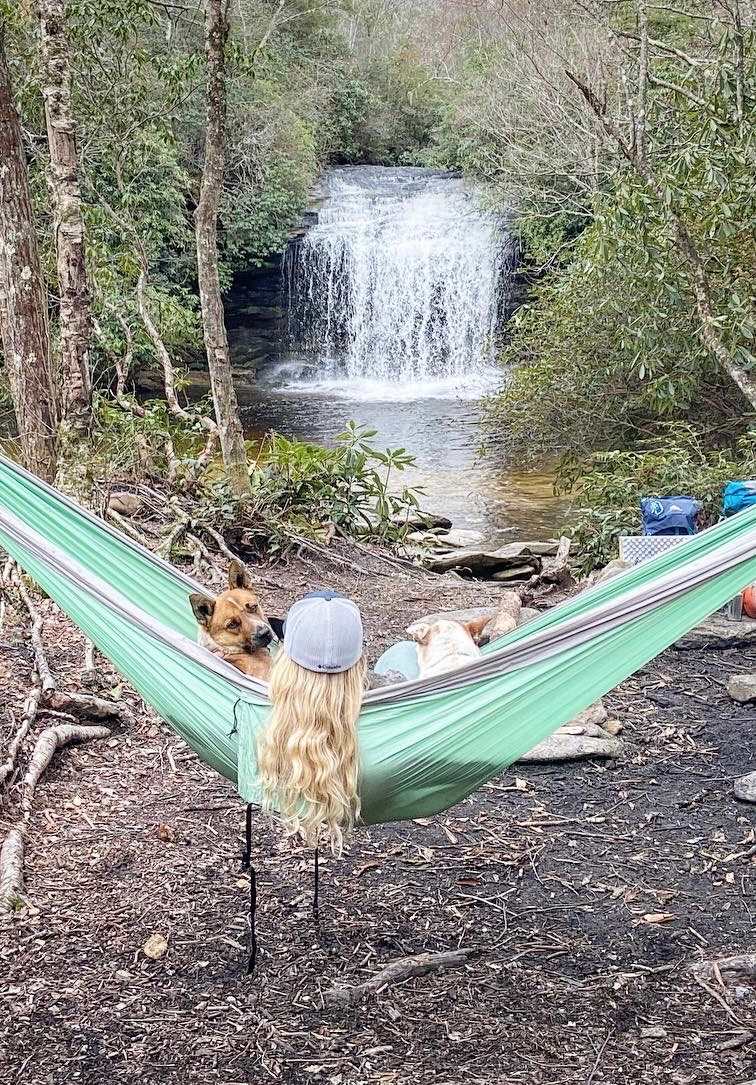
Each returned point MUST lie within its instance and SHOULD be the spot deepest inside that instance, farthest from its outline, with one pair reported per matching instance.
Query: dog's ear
(238, 577)
(203, 607)
(420, 632)
(476, 626)
(277, 625)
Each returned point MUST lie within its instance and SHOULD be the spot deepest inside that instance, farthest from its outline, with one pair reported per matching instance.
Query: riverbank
(584, 891)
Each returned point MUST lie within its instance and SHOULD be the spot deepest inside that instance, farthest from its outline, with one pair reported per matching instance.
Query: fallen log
(12, 852)
(396, 972)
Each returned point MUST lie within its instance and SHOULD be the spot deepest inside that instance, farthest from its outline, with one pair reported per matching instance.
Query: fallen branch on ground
(12, 852)
(403, 969)
(30, 714)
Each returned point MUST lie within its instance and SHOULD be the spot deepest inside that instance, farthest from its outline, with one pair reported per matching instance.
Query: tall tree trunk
(23, 296)
(213, 325)
(75, 306)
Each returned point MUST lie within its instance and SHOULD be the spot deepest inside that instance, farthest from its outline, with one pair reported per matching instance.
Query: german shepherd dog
(234, 626)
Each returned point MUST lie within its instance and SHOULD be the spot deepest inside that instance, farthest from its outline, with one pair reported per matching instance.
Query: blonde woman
(307, 753)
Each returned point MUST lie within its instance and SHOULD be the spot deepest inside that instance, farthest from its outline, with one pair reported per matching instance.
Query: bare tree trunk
(75, 307)
(213, 325)
(23, 296)
(708, 330)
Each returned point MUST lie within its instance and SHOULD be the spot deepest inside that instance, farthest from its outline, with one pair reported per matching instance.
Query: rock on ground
(525, 557)
(565, 746)
(742, 688)
(745, 788)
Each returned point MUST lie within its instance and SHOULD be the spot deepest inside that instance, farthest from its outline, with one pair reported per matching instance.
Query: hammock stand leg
(247, 865)
(316, 892)
(252, 930)
(247, 853)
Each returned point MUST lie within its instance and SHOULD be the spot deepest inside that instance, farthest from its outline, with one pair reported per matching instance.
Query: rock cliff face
(256, 315)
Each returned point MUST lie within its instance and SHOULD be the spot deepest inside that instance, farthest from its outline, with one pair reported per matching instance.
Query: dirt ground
(584, 890)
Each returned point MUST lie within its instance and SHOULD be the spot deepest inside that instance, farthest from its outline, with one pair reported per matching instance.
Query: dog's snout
(262, 637)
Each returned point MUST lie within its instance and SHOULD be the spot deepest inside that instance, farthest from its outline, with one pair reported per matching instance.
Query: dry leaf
(155, 947)
(166, 833)
(613, 727)
(658, 917)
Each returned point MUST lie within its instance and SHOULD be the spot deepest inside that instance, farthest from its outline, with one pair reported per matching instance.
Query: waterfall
(402, 282)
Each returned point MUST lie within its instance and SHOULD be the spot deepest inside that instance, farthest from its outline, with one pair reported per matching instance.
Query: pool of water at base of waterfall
(477, 489)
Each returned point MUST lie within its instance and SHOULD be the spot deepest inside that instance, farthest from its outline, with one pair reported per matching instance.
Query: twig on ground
(396, 972)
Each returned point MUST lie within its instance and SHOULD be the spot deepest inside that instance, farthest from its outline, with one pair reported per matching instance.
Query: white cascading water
(400, 286)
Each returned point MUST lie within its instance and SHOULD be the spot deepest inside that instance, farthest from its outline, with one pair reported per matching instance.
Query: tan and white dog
(234, 625)
(444, 644)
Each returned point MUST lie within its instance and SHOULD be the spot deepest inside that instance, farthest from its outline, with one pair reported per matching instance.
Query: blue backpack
(669, 515)
(738, 496)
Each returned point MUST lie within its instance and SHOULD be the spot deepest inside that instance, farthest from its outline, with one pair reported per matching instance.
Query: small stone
(614, 568)
(155, 947)
(457, 538)
(742, 688)
(595, 714)
(528, 614)
(125, 504)
(509, 576)
(745, 788)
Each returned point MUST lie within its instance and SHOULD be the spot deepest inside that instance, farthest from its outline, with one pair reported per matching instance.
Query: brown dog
(445, 644)
(234, 626)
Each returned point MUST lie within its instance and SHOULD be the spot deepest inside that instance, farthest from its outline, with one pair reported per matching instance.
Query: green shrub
(608, 486)
(302, 489)
(299, 489)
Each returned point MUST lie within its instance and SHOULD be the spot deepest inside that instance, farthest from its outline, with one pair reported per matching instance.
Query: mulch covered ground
(585, 892)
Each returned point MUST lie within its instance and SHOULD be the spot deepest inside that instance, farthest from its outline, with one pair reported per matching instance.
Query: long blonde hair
(307, 753)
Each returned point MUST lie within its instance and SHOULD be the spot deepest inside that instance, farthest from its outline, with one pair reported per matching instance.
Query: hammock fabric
(424, 744)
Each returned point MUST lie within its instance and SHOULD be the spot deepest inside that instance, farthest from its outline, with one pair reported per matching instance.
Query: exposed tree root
(31, 708)
(12, 852)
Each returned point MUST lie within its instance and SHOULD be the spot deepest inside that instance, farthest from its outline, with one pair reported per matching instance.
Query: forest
(505, 252)
(620, 138)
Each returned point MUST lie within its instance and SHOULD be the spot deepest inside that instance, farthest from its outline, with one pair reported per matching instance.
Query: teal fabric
(419, 754)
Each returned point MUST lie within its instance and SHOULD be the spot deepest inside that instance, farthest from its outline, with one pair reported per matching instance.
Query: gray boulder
(745, 788)
(564, 745)
(742, 688)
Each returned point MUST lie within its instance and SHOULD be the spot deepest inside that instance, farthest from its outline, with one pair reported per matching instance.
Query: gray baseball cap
(324, 633)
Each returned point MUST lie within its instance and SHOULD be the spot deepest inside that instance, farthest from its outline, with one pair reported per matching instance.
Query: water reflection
(476, 491)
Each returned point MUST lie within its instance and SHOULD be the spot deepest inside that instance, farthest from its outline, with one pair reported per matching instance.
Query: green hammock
(424, 744)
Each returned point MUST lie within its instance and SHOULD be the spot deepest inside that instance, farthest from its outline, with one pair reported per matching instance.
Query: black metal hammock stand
(247, 865)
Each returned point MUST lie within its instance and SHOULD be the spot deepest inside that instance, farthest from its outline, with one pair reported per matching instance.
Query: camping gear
(400, 658)
(669, 515)
(738, 495)
(635, 549)
(748, 601)
(425, 744)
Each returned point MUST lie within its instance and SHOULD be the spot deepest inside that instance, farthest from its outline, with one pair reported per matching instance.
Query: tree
(23, 296)
(668, 190)
(75, 317)
(213, 324)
